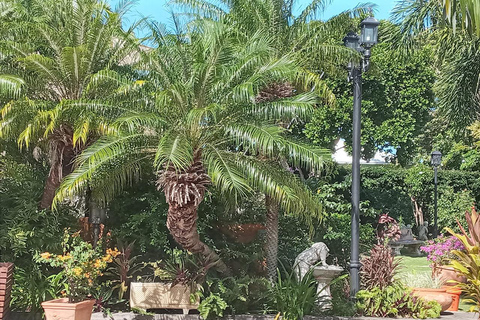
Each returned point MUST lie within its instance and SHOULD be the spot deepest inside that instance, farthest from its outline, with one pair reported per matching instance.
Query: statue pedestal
(324, 276)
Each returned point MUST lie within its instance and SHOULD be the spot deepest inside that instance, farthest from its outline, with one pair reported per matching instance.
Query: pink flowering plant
(439, 251)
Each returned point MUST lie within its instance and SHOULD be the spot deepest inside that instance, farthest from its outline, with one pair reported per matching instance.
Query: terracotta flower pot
(61, 309)
(242, 233)
(455, 293)
(439, 295)
(448, 275)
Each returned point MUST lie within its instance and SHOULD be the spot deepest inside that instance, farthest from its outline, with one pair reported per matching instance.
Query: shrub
(379, 268)
(81, 264)
(395, 301)
(440, 251)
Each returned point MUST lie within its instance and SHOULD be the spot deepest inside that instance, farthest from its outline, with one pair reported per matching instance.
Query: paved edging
(133, 316)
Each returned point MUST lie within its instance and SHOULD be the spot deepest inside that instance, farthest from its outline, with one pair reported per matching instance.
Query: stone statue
(406, 233)
(323, 273)
(423, 232)
(309, 257)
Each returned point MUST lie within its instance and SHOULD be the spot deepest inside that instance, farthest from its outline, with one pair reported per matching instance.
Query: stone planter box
(61, 309)
(6, 282)
(159, 295)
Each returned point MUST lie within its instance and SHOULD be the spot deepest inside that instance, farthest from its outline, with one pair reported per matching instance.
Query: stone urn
(324, 276)
(439, 295)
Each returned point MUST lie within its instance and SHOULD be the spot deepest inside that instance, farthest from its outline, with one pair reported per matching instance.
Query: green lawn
(413, 265)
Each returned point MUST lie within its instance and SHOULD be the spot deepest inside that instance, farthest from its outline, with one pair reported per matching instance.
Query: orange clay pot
(61, 309)
(455, 293)
(439, 295)
(448, 275)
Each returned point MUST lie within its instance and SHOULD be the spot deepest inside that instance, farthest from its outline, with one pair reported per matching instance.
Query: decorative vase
(455, 293)
(6, 282)
(242, 233)
(161, 295)
(448, 275)
(439, 295)
(61, 309)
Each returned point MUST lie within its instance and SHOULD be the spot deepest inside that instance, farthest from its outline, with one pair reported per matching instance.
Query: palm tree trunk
(184, 191)
(271, 242)
(61, 165)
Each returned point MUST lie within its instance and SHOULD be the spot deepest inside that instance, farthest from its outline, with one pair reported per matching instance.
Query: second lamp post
(436, 161)
(362, 44)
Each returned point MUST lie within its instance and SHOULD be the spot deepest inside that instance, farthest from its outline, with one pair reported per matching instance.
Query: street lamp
(436, 161)
(368, 38)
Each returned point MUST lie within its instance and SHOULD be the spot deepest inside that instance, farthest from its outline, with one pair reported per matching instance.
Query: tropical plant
(33, 286)
(124, 267)
(395, 301)
(240, 294)
(294, 298)
(80, 263)
(312, 44)
(467, 262)
(380, 267)
(63, 79)
(199, 125)
(467, 10)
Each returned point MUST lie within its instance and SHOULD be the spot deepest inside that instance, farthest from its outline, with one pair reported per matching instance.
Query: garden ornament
(309, 258)
(423, 232)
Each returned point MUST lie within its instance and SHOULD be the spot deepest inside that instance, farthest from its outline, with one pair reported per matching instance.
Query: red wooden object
(6, 282)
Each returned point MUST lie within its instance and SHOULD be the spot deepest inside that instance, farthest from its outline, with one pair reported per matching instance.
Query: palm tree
(62, 78)
(313, 44)
(467, 10)
(200, 126)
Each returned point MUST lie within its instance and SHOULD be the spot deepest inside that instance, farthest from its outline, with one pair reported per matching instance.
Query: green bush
(452, 206)
(395, 301)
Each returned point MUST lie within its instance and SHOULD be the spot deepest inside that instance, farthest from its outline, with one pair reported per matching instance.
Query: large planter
(455, 293)
(439, 295)
(159, 295)
(6, 282)
(448, 275)
(242, 233)
(61, 309)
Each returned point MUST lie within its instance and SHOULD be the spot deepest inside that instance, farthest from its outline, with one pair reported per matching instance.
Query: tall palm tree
(62, 78)
(200, 127)
(313, 44)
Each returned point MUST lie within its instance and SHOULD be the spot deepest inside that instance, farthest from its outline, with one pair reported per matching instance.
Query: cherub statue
(309, 257)
(423, 232)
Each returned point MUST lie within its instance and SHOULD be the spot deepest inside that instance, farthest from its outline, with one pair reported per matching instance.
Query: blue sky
(157, 10)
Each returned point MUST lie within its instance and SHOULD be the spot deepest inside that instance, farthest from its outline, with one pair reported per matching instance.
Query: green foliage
(33, 286)
(397, 97)
(241, 295)
(452, 207)
(292, 297)
(25, 229)
(395, 301)
(212, 307)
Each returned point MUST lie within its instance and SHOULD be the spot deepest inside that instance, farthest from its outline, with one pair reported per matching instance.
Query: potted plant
(440, 252)
(173, 284)
(428, 288)
(82, 265)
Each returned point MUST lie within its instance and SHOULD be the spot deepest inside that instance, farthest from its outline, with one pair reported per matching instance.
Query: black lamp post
(362, 44)
(436, 161)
